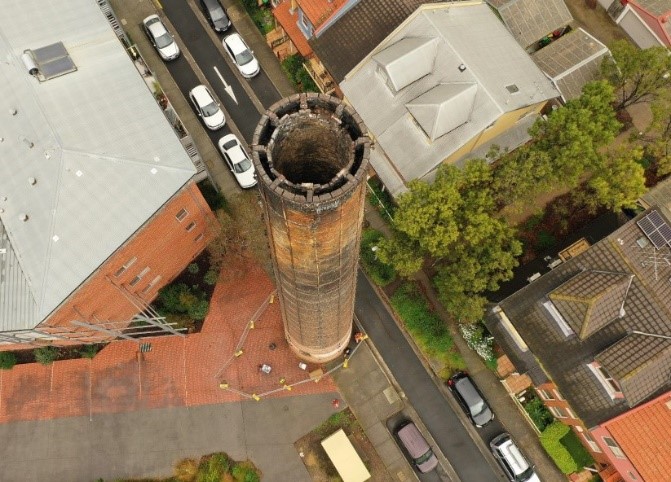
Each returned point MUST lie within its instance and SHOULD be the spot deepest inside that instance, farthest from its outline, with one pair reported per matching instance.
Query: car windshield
(210, 109)
(163, 40)
(424, 458)
(242, 166)
(526, 475)
(217, 14)
(478, 408)
(244, 57)
(230, 144)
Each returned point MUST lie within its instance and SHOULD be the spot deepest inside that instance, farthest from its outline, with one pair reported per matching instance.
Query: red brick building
(98, 203)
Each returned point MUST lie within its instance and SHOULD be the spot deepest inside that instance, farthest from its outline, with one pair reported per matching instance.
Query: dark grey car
(470, 399)
(215, 15)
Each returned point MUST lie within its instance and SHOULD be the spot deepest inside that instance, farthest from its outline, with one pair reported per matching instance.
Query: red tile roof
(644, 434)
(288, 22)
(318, 11)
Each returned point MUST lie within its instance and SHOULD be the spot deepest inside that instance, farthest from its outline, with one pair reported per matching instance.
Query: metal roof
(473, 48)
(531, 20)
(88, 157)
(572, 61)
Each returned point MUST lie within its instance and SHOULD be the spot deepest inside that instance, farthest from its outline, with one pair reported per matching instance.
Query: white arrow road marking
(227, 87)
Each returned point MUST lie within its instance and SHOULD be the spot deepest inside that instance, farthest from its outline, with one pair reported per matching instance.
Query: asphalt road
(437, 414)
(208, 55)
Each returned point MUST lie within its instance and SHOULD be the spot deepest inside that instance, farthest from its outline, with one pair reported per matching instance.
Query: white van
(512, 461)
(416, 447)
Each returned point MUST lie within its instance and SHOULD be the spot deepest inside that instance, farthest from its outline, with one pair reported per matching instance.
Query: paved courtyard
(127, 413)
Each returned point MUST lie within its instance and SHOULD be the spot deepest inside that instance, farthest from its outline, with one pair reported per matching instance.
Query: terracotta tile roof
(318, 11)
(288, 21)
(645, 372)
(644, 434)
(343, 45)
(591, 299)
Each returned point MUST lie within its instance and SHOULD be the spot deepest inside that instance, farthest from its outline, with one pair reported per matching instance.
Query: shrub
(565, 449)
(199, 309)
(213, 197)
(293, 67)
(89, 351)
(381, 273)
(380, 199)
(193, 268)
(46, 355)
(186, 470)
(171, 297)
(7, 360)
(245, 472)
(546, 240)
(539, 414)
(425, 326)
(479, 341)
(211, 277)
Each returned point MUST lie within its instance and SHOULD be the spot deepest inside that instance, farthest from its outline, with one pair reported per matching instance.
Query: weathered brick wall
(311, 158)
(163, 245)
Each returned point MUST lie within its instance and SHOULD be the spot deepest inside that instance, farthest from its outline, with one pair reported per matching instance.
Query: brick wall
(149, 260)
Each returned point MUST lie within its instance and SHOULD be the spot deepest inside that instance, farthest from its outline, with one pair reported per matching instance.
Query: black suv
(215, 15)
(470, 399)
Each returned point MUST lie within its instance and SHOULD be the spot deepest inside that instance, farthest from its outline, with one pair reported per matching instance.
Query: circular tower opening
(312, 151)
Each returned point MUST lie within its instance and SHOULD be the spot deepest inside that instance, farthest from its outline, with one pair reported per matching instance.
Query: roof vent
(29, 63)
(27, 142)
(13, 111)
(32, 181)
(23, 217)
(462, 67)
(512, 88)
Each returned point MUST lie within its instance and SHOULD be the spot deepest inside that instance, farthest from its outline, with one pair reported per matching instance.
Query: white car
(207, 108)
(159, 36)
(238, 160)
(241, 55)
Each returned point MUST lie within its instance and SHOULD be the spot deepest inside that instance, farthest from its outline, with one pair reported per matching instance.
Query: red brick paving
(178, 371)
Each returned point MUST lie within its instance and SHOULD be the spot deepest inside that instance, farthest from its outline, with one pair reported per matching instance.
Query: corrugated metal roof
(572, 61)
(531, 20)
(471, 36)
(100, 151)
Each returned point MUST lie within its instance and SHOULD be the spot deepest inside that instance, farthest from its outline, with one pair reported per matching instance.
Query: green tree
(657, 138)
(46, 355)
(637, 75)
(453, 221)
(572, 136)
(619, 181)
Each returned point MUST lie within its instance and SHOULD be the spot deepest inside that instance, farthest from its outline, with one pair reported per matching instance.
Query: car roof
(235, 42)
(466, 389)
(514, 457)
(202, 95)
(155, 26)
(413, 440)
(237, 154)
(212, 3)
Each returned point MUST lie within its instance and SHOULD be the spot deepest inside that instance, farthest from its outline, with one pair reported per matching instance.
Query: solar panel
(53, 60)
(655, 228)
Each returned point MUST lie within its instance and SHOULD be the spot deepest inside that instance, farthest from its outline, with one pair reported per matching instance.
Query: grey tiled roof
(564, 359)
(640, 363)
(591, 299)
(358, 32)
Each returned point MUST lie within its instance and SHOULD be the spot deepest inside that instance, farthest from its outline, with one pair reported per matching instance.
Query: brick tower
(311, 155)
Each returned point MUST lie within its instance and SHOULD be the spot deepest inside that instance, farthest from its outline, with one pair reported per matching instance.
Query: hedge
(562, 444)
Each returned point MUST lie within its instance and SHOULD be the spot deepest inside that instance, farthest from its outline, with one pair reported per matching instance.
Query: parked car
(207, 108)
(511, 460)
(241, 55)
(216, 15)
(159, 36)
(416, 446)
(470, 399)
(238, 160)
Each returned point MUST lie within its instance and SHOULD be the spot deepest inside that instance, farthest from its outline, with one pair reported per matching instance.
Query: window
(615, 448)
(181, 214)
(559, 412)
(545, 394)
(557, 394)
(190, 227)
(609, 383)
(151, 284)
(128, 264)
(591, 442)
(139, 276)
(199, 237)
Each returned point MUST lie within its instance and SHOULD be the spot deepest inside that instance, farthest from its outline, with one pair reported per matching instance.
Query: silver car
(160, 38)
